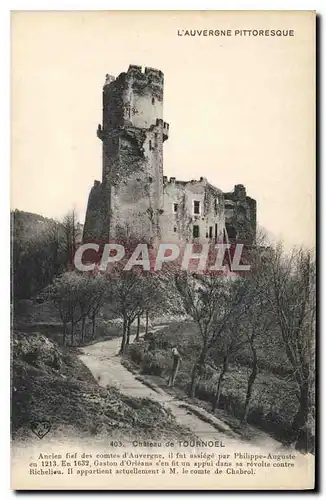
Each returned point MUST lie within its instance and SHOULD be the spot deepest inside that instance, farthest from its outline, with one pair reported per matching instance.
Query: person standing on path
(175, 367)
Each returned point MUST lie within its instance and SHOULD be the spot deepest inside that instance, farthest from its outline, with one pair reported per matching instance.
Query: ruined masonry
(134, 198)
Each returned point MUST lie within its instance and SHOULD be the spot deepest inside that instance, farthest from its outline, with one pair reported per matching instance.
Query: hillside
(273, 405)
(29, 224)
(50, 384)
(42, 248)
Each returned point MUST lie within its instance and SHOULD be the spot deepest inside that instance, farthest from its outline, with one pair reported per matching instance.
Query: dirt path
(105, 365)
(103, 361)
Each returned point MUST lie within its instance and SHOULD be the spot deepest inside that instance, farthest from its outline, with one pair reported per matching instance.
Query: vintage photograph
(163, 250)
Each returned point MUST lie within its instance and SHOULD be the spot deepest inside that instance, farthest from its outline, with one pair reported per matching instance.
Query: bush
(154, 363)
(204, 391)
(136, 353)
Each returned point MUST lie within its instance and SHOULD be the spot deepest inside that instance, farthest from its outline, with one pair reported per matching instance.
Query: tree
(138, 327)
(65, 295)
(71, 235)
(131, 294)
(90, 295)
(98, 296)
(77, 296)
(258, 320)
(124, 295)
(154, 299)
(257, 325)
(209, 301)
(224, 350)
(292, 299)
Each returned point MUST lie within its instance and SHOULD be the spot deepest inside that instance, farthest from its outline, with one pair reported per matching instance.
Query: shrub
(204, 391)
(154, 363)
(136, 352)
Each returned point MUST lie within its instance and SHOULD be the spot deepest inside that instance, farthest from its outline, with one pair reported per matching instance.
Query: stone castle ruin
(134, 197)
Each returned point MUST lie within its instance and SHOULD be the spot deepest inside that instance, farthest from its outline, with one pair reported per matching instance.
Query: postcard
(163, 250)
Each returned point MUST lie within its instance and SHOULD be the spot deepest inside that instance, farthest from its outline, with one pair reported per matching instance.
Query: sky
(241, 109)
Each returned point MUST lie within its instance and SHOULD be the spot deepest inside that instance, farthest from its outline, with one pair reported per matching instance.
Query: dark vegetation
(273, 402)
(248, 346)
(49, 383)
(42, 249)
(56, 310)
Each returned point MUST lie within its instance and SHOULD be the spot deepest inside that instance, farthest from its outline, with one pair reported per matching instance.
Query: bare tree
(257, 320)
(98, 292)
(257, 325)
(90, 297)
(138, 327)
(64, 293)
(209, 301)
(155, 298)
(71, 234)
(224, 350)
(292, 298)
(124, 296)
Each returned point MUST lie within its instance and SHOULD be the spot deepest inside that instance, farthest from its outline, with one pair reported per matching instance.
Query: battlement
(173, 180)
(109, 79)
(156, 73)
(134, 68)
(240, 190)
(149, 74)
(238, 193)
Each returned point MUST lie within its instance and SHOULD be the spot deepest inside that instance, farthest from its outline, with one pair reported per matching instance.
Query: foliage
(154, 363)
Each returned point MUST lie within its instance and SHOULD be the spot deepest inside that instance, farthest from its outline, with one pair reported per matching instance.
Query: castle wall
(96, 220)
(179, 225)
(134, 199)
(240, 215)
(143, 96)
(136, 186)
